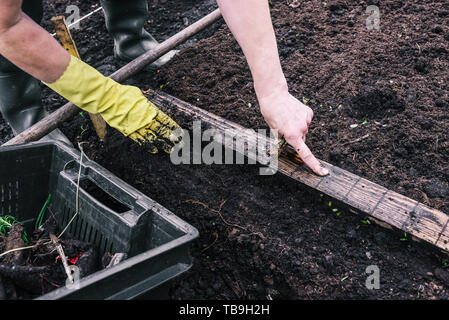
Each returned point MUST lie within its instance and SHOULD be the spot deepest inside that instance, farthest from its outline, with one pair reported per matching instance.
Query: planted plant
(6, 223)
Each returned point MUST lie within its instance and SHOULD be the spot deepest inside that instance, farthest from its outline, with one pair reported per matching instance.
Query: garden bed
(267, 237)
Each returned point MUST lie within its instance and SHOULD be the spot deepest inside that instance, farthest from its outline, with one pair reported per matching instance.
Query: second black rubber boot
(20, 103)
(20, 93)
(125, 22)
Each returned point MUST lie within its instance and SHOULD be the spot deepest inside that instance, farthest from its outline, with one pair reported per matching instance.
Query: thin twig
(218, 212)
(215, 234)
(356, 140)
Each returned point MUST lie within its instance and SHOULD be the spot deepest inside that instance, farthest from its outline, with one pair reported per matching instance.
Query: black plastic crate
(116, 217)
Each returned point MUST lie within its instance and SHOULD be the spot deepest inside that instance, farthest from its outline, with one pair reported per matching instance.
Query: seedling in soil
(305, 100)
(404, 238)
(366, 222)
(6, 223)
(335, 210)
(83, 130)
(445, 263)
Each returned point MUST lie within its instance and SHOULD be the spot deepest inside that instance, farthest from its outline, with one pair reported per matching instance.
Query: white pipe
(81, 19)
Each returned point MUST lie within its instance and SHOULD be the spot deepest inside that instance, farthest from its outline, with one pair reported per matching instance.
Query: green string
(40, 217)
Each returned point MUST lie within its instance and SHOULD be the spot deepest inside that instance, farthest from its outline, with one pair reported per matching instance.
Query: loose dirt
(267, 237)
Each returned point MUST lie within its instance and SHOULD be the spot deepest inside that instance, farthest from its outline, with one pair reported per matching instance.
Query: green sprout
(365, 222)
(344, 278)
(6, 223)
(404, 238)
(40, 217)
(83, 130)
(445, 263)
(335, 210)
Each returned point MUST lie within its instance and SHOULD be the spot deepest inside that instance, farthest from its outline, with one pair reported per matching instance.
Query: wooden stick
(62, 255)
(390, 207)
(65, 37)
(66, 112)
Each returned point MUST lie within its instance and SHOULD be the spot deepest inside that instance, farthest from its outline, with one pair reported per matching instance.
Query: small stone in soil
(328, 261)
(446, 174)
(351, 234)
(443, 275)
(268, 280)
(401, 152)
(314, 270)
(380, 237)
(440, 103)
(420, 66)
(412, 172)
(437, 29)
(217, 286)
(436, 188)
(335, 155)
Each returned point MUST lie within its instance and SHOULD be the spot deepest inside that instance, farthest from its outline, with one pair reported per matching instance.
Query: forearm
(30, 47)
(250, 23)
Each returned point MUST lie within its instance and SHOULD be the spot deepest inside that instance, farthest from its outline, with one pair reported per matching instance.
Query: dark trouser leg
(20, 94)
(125, 22)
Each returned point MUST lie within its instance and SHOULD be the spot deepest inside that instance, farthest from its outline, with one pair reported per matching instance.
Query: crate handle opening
(102, 196)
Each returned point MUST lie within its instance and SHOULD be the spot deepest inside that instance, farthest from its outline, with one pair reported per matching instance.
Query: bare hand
(291, 118)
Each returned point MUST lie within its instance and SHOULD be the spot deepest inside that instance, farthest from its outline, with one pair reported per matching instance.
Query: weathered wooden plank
(390, 207)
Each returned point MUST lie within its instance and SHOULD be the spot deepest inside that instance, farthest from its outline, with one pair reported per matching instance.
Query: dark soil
(391, 83)
(267, 237)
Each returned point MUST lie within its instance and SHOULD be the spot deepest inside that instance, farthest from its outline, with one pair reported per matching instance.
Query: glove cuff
(122, 107)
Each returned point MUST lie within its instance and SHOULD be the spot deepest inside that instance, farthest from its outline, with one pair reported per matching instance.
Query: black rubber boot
(125, 22)
(20, 93)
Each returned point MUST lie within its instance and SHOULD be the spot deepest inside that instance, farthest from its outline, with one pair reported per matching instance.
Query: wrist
(267, 89)
(270, 87)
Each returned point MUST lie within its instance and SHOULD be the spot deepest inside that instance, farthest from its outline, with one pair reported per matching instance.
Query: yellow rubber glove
(122, 107)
